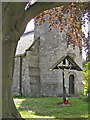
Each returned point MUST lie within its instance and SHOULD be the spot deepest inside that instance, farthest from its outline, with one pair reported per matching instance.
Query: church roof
(27, 33)
(25, 41)
(32, 44)
(73, 65)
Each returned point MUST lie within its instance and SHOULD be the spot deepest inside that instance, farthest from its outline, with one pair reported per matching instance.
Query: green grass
(47, 107)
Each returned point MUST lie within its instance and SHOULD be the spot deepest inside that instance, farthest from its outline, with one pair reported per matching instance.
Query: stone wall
(34, 70)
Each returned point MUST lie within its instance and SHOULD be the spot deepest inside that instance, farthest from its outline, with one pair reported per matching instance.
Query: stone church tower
(32, 75)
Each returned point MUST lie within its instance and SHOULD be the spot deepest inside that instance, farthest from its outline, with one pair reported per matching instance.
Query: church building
(32, 74)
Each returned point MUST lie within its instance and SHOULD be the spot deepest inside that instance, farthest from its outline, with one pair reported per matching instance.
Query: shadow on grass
(49, 108)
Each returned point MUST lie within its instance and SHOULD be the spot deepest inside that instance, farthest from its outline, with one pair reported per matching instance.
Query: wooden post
(63, 81)
(64, 91)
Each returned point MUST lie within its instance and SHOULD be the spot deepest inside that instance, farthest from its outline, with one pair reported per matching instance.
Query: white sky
(85, 30)
(29, 26)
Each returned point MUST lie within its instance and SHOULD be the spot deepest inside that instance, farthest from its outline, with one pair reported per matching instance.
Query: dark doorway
(71, 84)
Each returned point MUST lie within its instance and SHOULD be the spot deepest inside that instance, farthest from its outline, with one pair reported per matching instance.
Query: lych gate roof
(73, 65)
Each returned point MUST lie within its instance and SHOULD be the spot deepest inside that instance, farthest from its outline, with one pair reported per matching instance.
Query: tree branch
(39, 7)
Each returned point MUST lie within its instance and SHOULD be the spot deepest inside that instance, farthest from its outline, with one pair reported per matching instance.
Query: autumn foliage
(69, 19)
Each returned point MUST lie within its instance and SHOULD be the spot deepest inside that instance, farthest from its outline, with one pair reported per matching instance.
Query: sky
(85, 30)
(29, 26)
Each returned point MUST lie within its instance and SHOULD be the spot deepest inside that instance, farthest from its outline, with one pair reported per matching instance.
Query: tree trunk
(14, 19)
(7, 65)
(10, 37)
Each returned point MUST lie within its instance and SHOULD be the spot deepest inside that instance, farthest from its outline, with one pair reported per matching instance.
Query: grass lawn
(48, 107)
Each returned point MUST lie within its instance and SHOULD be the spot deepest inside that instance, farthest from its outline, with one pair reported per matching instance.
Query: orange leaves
(55, 28)
(68, 22)
(76, 30)
(47, 21)
(68, 19)
(53, 15)
(73, 39)
(45, 11)
(63, 24)
(73, 9)
(71, 19)
(75, 35)
(69, 15)
(69, 27)
(73, 4)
